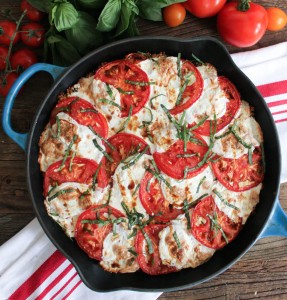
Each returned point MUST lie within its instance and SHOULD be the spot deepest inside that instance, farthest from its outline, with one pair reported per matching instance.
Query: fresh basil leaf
(109, 16)
(83, 35)
(63, 16)
(93, 3)
(63, 52)
(151, 10)
(124, 21)
(42, 5)
(132, 30)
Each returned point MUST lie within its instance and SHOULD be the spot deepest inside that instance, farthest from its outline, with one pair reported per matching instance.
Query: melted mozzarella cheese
(212, 100)
(53, 149)
(188, 189)
(82, 89)
(186, 251)
(116, 256)
(244, 202)
(247, 129)
(125, 182)
(163, 72)
(66, 207)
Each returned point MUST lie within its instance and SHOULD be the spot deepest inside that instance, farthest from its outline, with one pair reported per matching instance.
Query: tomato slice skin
(203, 228)
(151, 263)
(232, 108)
(174, 166)
(117, 74)
(90, 237)
(82, 171)
(153, 200)
(83, 112)
(230, 172)
(125, 144)
(191, 92)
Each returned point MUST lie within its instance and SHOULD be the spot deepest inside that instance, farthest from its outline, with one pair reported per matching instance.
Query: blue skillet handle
(277, 224)
(21, 138)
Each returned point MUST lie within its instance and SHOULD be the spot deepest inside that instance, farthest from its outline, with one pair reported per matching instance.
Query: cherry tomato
(238, 174)
(3, 57)
(173, 163)
(6, 82)
(23, 58)
(211, 226)
(153, 200)
(151, 263)
(80, 170)
(131, 80)
(204, 8)
(32, 34)
(277, 18)
(7, 30)
(242, 28)
(174, 14)
(90, 235)
(32, 13)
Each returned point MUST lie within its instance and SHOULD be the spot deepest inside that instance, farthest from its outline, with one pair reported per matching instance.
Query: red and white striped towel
(31, 267)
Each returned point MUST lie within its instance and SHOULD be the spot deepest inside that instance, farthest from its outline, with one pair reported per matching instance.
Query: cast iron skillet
(208, 50)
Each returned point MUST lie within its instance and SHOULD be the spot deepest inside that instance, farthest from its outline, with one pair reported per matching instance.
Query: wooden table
(261, 273)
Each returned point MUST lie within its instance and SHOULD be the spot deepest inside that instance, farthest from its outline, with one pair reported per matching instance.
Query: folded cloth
(32, 268)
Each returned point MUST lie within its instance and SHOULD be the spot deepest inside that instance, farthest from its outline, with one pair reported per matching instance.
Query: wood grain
(260, 273)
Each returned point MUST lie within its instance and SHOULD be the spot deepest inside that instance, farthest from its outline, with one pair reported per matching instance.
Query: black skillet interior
(208, 50)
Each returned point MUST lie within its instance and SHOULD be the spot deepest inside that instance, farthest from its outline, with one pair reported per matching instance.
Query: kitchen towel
(32, 268)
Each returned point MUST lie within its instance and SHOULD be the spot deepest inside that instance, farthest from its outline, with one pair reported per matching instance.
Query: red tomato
(153, 200)
(238, 174)
(204, 8)
(3, 57)
(7, 30)
(150, 263)
(232, 108)
(174, 14)
(32, 13)
(131, 81)
(212, 227)
(83, 112)
(173, 165)
(23, 58)
(32, 34)
(80, 170)
(6, 82)
(192, 92)
(90, 236)
(277, 18)
(242, 28)
(124, 145)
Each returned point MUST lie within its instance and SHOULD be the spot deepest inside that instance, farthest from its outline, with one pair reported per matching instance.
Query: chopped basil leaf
(223, 200)
(58, 128)
(104, 100)
(135, 159)
(127, 120)
(133, 252)
(177, 240)
(102, 150)
(200, 183)
(140, 83)
(102, 138)
(149, 242)
(95, 176)
(89, 110)
(125, 92)
(61, 192)
(197, 59)
(67, 152)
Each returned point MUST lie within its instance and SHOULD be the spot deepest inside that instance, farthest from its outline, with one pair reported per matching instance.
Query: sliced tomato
(83, 112)
(232, 108)
(132, 82)
(173, 164)
(79, 170)
(212, 227)
(239, 175)
(125, 145)
(89, 236)
(153, 200)
(192, 92)
(151, 263)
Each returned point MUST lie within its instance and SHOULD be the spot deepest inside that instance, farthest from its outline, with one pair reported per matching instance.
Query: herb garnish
(215, 225)
(179, 65)
(200, 183)
(52, 189)
(186, 213)
(95, 176)
(126, 120)
(125, 92)
(154, 97)
(140, 83)
(104, 222)
(148, 240)
(136, 189)
(102, 138)
(102, 150)
(131, 163)
(177, 240)
(223, 200)
(67, 152)
(71, 161)
(147, 123)
(182, 88)
(250, 156)
(89, 110)
(61, 192)
(197, 59)
(158, 176)
(104, 100)
(132, 251)
(133, 233)
(58, 128)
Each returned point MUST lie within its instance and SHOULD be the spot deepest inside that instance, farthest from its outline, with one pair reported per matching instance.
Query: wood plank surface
(261, 273)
